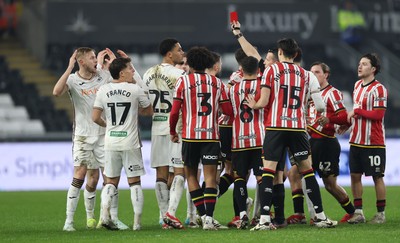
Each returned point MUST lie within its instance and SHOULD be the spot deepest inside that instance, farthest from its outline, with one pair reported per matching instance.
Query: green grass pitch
(39, 217)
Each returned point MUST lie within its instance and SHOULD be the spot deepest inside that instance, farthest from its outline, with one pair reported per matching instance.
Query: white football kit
(88, 141)
(120, 103)
(160, 81)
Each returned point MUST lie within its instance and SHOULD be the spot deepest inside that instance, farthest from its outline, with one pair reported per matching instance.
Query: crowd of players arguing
(268, 108)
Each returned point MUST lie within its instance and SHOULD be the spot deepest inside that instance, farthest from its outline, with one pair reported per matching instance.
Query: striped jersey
(120, 103)
(83, 93)
(248, 124)
(333, 99)
(160, 81)
(235, 78)
(289, 85)
(366, 132)
(201, 95)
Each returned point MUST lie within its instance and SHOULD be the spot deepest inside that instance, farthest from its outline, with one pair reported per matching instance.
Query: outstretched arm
(248, 48)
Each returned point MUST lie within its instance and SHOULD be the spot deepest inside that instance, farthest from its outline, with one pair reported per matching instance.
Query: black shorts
(243, 161)
(276, 141)
(370, 161)
(325, 156)
(225, 136)
(193, 152)
(282, 161)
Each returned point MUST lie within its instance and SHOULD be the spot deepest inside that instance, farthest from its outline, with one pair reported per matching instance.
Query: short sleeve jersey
(120, 103)
(83, 93)
(289, 85)
(160, 81)
(201, 95)
(248, 124)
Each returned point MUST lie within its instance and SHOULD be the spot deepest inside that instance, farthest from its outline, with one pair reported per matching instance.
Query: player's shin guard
(256, 210)
(266, 195)
(73, 198)
(298, 201)
(225, 181)
(90, 201)
(175, 193)
(198, 201)
(278, 200)
(210, 199)
(106, 196)
(114, 206)
(240, 193)
(191, 209)
(137, 199)
(162, 195)
(347, 205)
(313, 191)
(310, 205)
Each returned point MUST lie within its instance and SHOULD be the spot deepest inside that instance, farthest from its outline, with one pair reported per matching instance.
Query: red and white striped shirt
(366, 132)
(333, 99)
(248, 124)
(289, 85)
(201, 95)
(235, 78)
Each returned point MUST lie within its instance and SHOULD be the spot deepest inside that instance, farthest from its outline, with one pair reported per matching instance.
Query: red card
(234, 16)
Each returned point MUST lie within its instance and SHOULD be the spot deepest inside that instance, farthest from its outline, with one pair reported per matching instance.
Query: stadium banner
(49, 166)
(206, 22)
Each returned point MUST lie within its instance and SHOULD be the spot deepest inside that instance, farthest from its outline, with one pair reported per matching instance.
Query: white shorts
(88, 151)
(130, 160)
(176, 154)
(160, 150)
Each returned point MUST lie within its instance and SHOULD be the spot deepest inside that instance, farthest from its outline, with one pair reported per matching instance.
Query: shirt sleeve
(267, 77)
(144, 100)
(178, 93)
(380, 97)
(315, 93)
(98, 102)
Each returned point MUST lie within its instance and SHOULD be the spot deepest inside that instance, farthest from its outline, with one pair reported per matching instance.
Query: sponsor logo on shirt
(160, 118)
(201, 129)
(118, 134)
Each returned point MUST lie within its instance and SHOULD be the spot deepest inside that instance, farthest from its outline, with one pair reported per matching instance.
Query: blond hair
(81, 51)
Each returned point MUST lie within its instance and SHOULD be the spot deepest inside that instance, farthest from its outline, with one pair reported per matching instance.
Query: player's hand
(122, 54)
(72, 60)
(100, 57)
(342, 129)
(251, 102)
(111, 54)
(350, 115)
(175, 138)
(323, 120)
(235, 26)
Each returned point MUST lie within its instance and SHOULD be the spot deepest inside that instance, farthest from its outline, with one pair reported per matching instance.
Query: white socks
(162, 195)
(176, 193)
(72, 202)
(257, 206)
(137, 203)
(107, 193)
(191, 209)
(90, 201)
(310, 205)
(114, 206)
